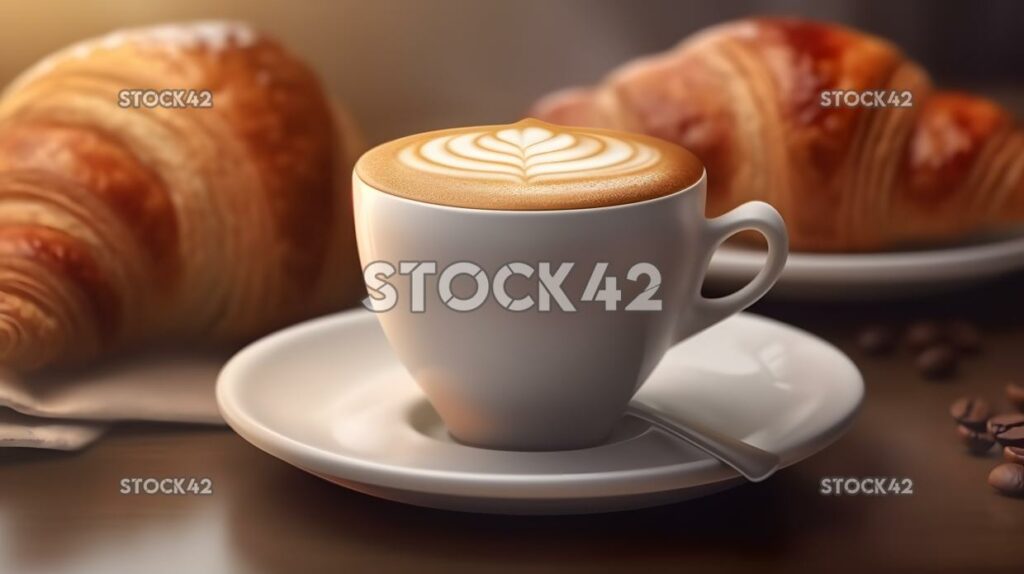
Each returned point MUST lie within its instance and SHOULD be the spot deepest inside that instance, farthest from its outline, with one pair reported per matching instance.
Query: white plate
(826, 276)
(329, 397)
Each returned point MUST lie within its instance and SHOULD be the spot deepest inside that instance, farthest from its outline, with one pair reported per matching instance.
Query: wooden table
(63, 512)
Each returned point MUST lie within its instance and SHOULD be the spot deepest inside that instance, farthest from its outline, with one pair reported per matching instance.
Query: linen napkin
(69, 410)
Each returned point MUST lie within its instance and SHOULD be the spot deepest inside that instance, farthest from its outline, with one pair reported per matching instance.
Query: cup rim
(701, 181)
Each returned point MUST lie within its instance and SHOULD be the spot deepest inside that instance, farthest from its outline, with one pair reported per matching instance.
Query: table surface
(62, 512)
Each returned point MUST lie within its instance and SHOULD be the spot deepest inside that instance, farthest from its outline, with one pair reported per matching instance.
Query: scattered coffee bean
(971, 412)
(937, 346)
(1008, 478)
(1002, 423)
(923, 334)
(976, 442)
(1015, 394)
(1011, 437)
(1014, 454)
(876, 339)
(963, 336)
(937, 362)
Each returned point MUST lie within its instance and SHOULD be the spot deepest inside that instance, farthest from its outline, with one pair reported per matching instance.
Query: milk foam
(528, 154)
(529, 165)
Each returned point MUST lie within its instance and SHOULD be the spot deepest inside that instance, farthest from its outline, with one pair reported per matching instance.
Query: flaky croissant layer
(746, 98)
(120, 225)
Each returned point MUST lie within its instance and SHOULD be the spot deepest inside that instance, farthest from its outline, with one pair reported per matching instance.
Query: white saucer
(328, 396)
(873, 275)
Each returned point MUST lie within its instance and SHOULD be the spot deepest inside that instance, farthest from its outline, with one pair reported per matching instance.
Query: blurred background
(404, 66)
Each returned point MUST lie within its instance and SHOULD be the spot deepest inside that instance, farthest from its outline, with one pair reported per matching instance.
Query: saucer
(846, 276)
(328, 396)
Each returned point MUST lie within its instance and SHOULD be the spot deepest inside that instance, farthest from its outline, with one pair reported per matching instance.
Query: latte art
(528, 154)
(529, 165)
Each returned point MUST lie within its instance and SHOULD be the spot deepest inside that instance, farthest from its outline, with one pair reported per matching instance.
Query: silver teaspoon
(753, 463)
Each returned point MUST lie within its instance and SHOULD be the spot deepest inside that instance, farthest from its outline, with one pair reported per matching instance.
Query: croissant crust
(203, 225)
(746, 97)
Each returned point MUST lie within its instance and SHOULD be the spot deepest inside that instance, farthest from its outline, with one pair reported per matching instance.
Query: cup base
(535, 445)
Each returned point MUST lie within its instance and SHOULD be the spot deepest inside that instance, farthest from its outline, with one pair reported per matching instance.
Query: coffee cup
(531, 276)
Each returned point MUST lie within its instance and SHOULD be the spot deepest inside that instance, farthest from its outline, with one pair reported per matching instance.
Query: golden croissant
(747, 98)
(210, 215)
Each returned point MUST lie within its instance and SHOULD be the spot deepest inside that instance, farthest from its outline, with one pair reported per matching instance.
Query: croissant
(746, 97)
(207, 223)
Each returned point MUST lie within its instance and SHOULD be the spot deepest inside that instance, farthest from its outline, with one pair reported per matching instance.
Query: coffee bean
(876, 340)
(1011, 437)
(1014, 454)
(1002, 423)
(923, 334)
(937, 362)
(1008, 478)
(1015, 394)
(976, 442)
(971, 412)
(963, 336)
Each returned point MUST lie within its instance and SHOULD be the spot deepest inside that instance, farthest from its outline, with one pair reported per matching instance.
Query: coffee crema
(529, 165)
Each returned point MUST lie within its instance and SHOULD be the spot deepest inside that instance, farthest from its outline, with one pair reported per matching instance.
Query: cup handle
(753, 215)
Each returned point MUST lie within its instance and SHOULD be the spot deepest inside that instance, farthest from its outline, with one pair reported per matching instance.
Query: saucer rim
(621, 482)
(890, 274)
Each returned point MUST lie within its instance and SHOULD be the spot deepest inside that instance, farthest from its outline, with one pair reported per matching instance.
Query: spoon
(753, 463)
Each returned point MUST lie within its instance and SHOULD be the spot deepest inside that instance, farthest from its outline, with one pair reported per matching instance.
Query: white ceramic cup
(557, 379)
